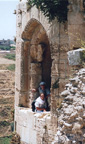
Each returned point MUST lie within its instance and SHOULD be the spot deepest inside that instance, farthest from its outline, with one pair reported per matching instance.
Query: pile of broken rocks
(71, 119)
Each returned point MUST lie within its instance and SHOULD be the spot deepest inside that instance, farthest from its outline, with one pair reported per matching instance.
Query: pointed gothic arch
(36, 58)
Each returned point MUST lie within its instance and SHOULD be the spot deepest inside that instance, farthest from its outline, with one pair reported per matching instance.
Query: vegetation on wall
(83, 57)
(52, 8)
(83, 47)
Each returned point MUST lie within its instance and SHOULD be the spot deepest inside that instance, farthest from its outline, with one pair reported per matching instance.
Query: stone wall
(76, 23)
(71, 120)
(41, 55)
(67, 127)
(35, 128)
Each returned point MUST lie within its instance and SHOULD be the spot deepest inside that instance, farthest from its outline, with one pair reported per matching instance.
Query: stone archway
(37, 58)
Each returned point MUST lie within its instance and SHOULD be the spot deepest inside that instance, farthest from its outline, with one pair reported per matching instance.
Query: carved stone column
(36, 77)
(21, 78)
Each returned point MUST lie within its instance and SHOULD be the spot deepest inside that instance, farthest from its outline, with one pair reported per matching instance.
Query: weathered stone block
(75, 57)
(21, 82)
(76, 18)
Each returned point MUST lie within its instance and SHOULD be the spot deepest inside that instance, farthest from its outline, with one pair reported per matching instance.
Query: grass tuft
(11, 67)
(10, 56)
(5, 140)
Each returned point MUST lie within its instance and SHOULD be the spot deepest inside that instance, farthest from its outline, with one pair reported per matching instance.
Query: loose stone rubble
(71, 120)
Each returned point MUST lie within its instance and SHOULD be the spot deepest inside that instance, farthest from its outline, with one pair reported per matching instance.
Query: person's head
(42, 85)
(42, 96)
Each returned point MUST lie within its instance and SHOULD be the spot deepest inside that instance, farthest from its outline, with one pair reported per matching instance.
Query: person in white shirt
(40, 103)
(43, 89)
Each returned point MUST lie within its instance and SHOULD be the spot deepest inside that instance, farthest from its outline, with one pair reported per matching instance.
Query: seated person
(40, 103)
(43, 89)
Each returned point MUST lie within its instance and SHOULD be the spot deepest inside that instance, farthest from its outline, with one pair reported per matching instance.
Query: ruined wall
(71, 120)
(67, 128)
(35, 128)
(76, 23)
(41, 54)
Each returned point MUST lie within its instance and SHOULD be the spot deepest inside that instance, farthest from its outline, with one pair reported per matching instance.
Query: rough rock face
(71, 121)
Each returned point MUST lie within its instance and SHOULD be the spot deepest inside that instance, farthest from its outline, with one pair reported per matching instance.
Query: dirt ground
(6, 61)
(7, 92)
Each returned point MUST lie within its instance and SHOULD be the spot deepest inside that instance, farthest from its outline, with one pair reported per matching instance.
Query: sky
(7, 19)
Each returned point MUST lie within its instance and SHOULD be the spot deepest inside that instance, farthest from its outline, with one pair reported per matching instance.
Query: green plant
(60, 106)
(56, 84)
(4, 113)
(83, 55)
(4, 123)
(82, 44)
(5, 140)
(83, 47)
(52, 8)
(12, 126)
(12, 114)
(5, 47)
(12, 47)
(11, 67)
(10, 56)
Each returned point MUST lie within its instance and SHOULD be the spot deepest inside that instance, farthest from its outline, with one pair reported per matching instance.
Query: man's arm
(34, 90)
(40, 108)
(48, 93)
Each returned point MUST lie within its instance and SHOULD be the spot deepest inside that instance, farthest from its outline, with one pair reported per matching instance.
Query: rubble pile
(71, 120)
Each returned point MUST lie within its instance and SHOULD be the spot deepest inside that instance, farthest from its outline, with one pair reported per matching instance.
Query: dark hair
(42, 93)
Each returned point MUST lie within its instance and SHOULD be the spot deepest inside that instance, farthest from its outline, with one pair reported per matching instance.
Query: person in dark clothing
(43, 89)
